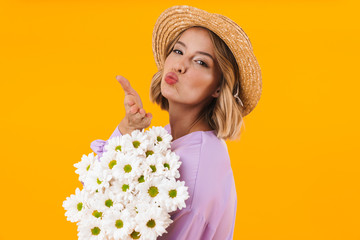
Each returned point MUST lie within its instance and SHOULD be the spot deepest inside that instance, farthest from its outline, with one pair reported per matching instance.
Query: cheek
(200, 79)
(165, 89)
(199, 84)
(168, 62)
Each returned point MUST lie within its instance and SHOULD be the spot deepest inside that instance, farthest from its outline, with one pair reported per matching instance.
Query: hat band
(237, 96)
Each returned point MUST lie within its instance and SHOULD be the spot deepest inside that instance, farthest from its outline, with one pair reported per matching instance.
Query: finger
(134, 109)
(147, 118)
(142, 112)
(140, 121)
(148, 115)
(125, 84)
(138, 116)
(147, 121)
(131, 102)
(129, 91)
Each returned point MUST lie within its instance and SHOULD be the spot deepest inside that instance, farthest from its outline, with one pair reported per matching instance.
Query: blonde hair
(224, 112)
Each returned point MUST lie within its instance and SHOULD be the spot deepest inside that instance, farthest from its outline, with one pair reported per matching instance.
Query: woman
(208, 80)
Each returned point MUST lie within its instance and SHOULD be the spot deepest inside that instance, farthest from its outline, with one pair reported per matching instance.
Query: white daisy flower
(75, 205)
(105, 201)
(151, 221)
(119, 224)
(150, 148)
(128, 167)
(162, 138)
(173, 194)
(91, 229)
(108, 161)
(160, 134)
(117, 144)
(124, 191)
(149, 190)
(141, 179)
(135, 235)
(171, 165)
(94, 211)
(155, 166)
(85, 165)
(138, 144)
(97, 180)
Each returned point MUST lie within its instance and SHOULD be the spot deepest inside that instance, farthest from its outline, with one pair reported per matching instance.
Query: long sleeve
(98, 145)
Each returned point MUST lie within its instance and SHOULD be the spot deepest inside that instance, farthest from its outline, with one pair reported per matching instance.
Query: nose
(180, 66)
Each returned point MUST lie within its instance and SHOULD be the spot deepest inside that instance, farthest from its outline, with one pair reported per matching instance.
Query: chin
(165, 95)
(163, 89)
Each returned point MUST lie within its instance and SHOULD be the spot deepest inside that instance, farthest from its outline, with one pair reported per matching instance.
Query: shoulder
(214, 153)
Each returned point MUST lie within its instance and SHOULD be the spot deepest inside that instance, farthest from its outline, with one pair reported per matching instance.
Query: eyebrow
(204, 53)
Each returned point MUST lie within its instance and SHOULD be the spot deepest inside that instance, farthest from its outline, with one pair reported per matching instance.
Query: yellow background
(296, 166)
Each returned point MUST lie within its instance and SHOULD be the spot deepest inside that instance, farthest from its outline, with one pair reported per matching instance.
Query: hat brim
(178, 18)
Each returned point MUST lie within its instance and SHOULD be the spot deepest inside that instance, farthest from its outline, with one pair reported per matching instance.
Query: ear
(216, 93)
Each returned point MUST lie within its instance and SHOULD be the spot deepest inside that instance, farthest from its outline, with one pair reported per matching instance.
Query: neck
(184, 119)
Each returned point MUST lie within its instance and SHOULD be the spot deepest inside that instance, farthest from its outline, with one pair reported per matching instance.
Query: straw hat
(178, 18)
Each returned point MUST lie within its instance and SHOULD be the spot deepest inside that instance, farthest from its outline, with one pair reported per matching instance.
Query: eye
(202, 63)
(176, 50)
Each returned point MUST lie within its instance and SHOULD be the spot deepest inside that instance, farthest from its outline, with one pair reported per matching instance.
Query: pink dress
(211, 208)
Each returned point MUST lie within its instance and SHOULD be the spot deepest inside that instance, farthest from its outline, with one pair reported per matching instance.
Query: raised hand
(136, 117)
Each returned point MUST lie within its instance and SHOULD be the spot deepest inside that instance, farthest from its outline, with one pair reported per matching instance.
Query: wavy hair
(224, 113)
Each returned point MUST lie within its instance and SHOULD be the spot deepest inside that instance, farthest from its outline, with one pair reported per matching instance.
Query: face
(193, 61)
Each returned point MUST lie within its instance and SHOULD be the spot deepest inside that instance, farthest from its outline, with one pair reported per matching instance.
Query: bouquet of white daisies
(128, 192)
